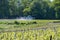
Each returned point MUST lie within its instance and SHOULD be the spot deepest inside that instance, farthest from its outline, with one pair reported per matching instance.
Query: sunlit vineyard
(29, 30)
(35, 34)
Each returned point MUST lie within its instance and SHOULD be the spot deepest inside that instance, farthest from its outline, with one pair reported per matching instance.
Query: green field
(29, 29)
(20, 24)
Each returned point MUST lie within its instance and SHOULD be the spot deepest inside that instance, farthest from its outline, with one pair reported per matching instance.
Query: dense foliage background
(39, 9)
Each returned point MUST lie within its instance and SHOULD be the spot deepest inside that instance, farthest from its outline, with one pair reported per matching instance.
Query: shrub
(23, 23)
(16, 22)
(34, 22)
(56, 21)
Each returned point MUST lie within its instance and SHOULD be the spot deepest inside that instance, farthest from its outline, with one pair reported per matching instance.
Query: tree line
(39, 9)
